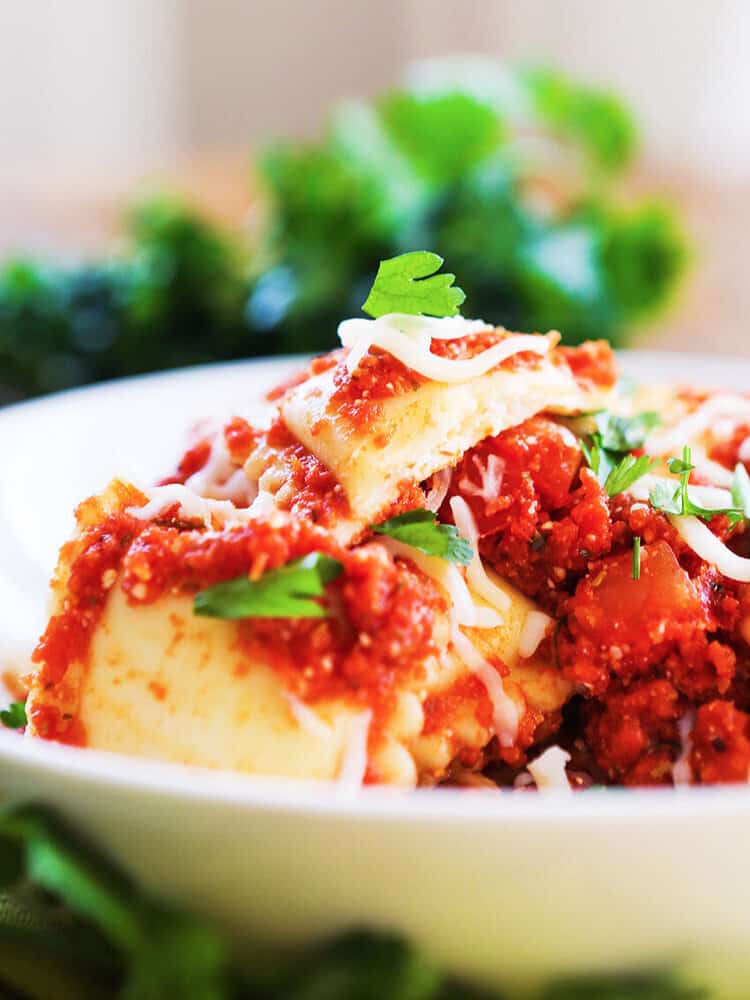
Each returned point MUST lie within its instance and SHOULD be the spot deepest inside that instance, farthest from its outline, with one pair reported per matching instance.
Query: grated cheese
(192, 506)
(727, 406)
(548, 771)
(475, 572)
(354, 761)
(306, 718)
(682, 773)
(491, 473)
(464, 611)
(504, 709)
(711, 497)
(220, 478)
(705, 544)
(440, 484)
(534, 629)
(408, 339)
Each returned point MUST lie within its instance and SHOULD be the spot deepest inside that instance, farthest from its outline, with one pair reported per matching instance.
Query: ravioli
(415, 429)
(154, 680)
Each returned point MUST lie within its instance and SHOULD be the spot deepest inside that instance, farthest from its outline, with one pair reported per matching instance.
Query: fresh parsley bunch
(540, 239)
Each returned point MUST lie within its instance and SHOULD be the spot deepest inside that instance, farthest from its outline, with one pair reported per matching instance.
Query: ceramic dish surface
(509, 888)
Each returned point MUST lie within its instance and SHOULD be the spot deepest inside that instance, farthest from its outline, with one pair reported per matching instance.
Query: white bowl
(512, 889)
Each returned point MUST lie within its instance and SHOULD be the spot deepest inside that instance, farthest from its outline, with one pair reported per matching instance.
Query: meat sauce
(641, 653)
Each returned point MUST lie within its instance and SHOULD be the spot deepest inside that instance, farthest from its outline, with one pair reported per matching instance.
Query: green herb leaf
(419, 528)
(286, 592)
(14, 716)
(607, 449)
(409, 284)
(741, 489)
(677, 500)
(636, 558)
(666, 497)
(626, 472)
(625, 433)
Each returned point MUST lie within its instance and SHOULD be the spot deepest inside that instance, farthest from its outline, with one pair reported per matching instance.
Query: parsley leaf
(607, 449)
(419, 528)
(676, 500)
(741, 489)
(409, 284)
(626, 472)
(14, 716)
(636, 573)
(625, 433)
(286, 592)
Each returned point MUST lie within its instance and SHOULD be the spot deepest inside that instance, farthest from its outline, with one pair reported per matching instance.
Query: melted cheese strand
(220, 478)
(191, 506)
(306, 718)
(408, 339)
(441, 481)
(535, 626)
(548, 771)
(463, 609)
(711, 497)
(354, 762)
(475, 572)
(682, 773)
(504, 709)
(725, 406)
(705, 544)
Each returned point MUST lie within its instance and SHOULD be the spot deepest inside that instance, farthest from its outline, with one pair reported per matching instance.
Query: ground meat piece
(720, 744)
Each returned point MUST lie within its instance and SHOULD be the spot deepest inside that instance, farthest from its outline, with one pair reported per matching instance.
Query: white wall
(88, 88)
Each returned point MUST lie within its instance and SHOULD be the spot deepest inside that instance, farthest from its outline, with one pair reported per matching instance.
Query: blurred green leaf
(595, 119)
(444, 135)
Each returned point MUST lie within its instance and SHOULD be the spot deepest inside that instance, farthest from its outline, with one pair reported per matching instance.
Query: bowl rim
(458, 806)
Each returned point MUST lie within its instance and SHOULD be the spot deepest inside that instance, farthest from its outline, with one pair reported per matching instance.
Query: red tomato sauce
(359, 396)
(380, 630)
(640, 653)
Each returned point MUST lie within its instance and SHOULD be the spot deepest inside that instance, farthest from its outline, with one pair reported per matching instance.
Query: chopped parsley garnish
(625, 433)
(420, 529)
(607, 450)
(625, 473)
(741, 489)
(636, 558)
(286, 592)
(675, 499)
(14, 716)
(409, 284)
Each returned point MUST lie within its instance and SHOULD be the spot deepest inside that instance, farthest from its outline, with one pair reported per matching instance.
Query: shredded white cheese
(535, 626)
(548, 771)
(354, 762)
(705, 544)
(491, 471)
(711, 497)
(306, 718)
(464, 611)
(220, 478)
(192, 506)
(475, 571)
(504, 709)
(440, 484)
(727, 406)
(408, 339)
(681, 771)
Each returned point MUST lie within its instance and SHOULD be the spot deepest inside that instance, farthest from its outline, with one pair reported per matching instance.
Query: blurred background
(189, 180)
